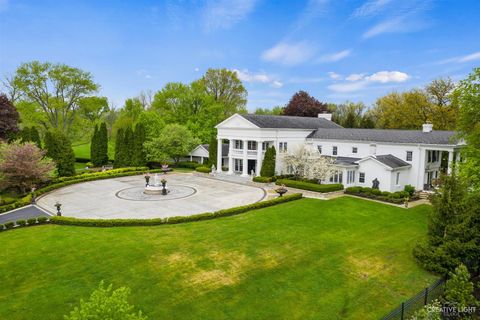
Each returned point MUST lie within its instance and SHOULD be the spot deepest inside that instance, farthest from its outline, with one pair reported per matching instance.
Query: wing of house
(394, 157)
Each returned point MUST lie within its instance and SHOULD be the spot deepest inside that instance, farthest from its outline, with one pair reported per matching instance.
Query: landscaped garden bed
(398, 197)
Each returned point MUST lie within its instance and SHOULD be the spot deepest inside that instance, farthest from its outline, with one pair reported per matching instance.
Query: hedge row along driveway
(345, 258)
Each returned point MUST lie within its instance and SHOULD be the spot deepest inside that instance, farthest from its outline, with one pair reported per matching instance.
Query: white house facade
(394, 157)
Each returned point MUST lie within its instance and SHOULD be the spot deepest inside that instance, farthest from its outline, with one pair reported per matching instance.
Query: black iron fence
(407, 308)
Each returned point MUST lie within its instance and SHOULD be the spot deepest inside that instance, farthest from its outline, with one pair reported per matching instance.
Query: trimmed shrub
(2, 227)
(9, 225)
(268, 165)
(42, 219)
(21, 222)
(410, 189)
(31, 221)
(310, 186)
(203, 169)
(172, 220)
(262, 179)
(393, 197)
(189, 164)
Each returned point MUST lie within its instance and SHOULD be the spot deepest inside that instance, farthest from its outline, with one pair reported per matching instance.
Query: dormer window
(319, 149)
(334, 150)
(354, 149)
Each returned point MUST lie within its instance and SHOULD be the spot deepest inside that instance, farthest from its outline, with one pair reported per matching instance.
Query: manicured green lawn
(309, 259)
(83, 150)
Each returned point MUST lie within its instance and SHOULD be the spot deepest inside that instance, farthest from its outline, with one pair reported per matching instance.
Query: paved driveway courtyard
(124, 198)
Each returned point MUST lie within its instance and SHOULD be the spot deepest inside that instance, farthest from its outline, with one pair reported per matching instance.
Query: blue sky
(335, 50)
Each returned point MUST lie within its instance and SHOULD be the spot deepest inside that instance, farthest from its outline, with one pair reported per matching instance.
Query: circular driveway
(123, 197)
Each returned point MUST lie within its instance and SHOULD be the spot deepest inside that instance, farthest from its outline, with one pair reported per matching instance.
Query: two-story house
(394, 157)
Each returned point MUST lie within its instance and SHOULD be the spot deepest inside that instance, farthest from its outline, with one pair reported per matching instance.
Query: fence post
(426, 296)
(403, 310)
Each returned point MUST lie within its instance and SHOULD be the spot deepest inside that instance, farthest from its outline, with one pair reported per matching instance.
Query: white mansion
(394, 157)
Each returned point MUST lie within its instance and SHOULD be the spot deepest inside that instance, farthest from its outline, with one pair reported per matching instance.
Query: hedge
(310, 186)
(263, 179)
(66, 181)
(398, 197)
(23, 223)
(172, 220)
(203, 169)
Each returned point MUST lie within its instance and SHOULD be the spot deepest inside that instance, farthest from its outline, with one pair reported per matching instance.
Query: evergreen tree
(138, 157)
(212, 151)
(453, 236)
(459, 289)
(94, 147)
(268, 165)
(102, 144)
(128, 147)
(60, 150)
(119, 149)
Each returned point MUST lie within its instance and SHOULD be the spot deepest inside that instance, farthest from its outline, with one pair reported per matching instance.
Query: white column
(201, 160)
(245, 159)
(259, 157)
(219, 155)
(230, 157)
(191, 158)
(450, 162)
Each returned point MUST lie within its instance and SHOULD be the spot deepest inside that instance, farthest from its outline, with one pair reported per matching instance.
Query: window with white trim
(337, 177)
(282, 147)
(354, 149)
(264, 146)
(252, 145)
(334, 150)
(350, 176)
(239, 144)
(361, 177)
(409, 155)
(238, 165)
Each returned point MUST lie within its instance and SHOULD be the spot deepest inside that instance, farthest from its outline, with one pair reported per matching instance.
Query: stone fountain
(158, 186)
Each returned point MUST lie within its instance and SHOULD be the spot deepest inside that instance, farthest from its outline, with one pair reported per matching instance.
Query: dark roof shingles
(392, 161)
(385, 135)
(289, 122)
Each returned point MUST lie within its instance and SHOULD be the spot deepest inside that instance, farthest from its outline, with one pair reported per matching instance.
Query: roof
(385, 135)
(225, 148)
(392, 161)
(348, 161)
(289, 122)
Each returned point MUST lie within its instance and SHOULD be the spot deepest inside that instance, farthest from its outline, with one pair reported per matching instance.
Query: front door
(429, 179)
(251, 166)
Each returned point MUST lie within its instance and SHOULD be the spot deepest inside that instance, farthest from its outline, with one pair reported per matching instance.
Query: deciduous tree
(55, 89)
(23, 165)
(8, 118)
(303, 105)
(308, 163)
(176, 141)
(106, 303)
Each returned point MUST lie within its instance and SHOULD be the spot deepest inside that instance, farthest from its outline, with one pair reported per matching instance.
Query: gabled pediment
(236, 122)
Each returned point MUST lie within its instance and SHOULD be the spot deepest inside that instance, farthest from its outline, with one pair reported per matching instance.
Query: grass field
(309, 259)
(83, 150)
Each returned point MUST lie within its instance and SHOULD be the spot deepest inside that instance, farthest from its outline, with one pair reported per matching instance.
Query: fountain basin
(153, 190)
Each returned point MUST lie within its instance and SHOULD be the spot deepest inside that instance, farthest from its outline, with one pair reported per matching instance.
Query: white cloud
(462, 59)
(370, 8)
(143, 73)
(355, 77)
(358, 81)
(334, 75)
(276, 84)
(335, 56)
(288, 53)
(348, 86)
(222, 14)
(197, 69)
(388, 76)
(260, 77)
(387, 26)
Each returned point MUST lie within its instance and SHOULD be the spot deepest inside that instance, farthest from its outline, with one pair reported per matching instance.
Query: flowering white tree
(309, 163)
